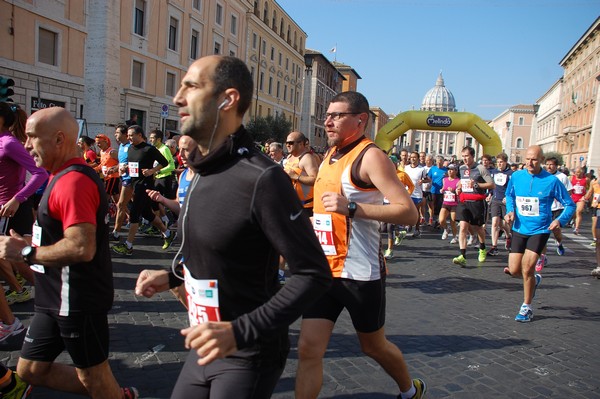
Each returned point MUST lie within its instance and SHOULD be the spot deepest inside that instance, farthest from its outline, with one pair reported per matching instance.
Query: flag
(333, 50)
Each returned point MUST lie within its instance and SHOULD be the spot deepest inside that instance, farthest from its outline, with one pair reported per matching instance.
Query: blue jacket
(531, 197)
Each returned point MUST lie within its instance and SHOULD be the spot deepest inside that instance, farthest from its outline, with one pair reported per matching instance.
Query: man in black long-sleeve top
(240, 214)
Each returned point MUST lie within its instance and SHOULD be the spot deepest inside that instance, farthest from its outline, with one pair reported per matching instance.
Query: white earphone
(224, 103)
(359, 121)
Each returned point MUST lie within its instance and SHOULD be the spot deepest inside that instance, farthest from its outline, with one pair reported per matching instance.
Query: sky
(492, 54)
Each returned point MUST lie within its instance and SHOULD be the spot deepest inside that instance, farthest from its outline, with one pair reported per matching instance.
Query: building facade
(578, 104)
(322, 81)
(106, 61)
(275, 56)
(514, 127)
(546, 124)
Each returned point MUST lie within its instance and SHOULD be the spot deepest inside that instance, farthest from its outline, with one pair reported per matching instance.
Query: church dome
(439, 98)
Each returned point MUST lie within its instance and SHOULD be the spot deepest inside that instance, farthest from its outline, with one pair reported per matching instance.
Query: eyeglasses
(337, 115)
(293, 142)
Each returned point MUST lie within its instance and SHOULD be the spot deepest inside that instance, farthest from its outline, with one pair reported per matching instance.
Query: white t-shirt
(415, 175)
(564, 179)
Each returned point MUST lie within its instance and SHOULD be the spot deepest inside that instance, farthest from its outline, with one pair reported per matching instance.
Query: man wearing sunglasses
(352, 182)
(302, 167)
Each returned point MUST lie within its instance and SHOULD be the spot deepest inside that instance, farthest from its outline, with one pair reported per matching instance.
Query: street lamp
(509, 139)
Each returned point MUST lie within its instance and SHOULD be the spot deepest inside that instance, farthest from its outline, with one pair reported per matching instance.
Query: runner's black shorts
(364, 300)
(84, 336)
(225, 379)
(497, 209)
(22, 221)
(535, 243)
(472, 212)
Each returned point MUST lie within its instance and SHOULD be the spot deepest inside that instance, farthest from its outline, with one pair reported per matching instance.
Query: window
(261, 81)
(197, 4)
(264, 47)
(280, 58)
(139, 15)
(233, 25)
(173, 26)
(521, 121)
(219, 15)
(170, 89)
(252, 72)
(272, 53)
(519, 143)
(137, 75)
(266, 13)
(195, 40)
(270, 91)
(217, 48)
(47, 47)
(254, 40)
(277, 91)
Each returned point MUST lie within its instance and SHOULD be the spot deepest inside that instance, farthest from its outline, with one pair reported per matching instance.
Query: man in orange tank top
(352, 181)
(302, 167)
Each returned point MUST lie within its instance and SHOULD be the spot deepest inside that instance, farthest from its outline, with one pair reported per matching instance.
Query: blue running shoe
(525, 314)
(560, 250)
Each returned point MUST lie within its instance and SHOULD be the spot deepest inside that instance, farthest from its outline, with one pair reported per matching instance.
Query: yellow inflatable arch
(443, 121)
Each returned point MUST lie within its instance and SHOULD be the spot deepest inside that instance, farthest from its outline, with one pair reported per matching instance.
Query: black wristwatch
(27, 253)
(351, 209)
(476, 186)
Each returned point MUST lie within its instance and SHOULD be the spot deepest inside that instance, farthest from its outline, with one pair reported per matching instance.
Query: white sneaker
(596, 272)
(445, 234)
(470, 241)
(8, 330)
(454, 240)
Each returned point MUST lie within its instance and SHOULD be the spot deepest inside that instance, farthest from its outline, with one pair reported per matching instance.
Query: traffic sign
(164, 111)
(581, 159)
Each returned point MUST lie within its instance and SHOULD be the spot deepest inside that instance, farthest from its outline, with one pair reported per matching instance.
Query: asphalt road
(454, 325)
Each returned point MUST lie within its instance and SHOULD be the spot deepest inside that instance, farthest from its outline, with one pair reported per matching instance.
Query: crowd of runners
(240, 303)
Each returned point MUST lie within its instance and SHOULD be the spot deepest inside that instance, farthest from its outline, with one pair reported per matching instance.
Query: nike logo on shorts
(295, 216)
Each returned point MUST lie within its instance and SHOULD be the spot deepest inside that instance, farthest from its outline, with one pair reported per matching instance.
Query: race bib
(466, 185)
(449, 196)
(579, 189)
(104, 170)
(134, 169)
(500, 179)
(323, 226)
(203, 299)
(528, 206)
(36, 241)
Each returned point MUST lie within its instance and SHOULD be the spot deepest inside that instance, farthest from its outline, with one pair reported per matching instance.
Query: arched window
(519, 143)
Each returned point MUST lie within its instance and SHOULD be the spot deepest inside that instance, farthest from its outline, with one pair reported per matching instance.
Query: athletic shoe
(421, 388)
(470, 241)
(422, 220)
(525, 314)
(460, 260)
(20, 279)
(21, 389)
(13, 296)
(538, 280)
(399, 237)
(122, 249)
(388, 254)
(281, 277)
(507, 243)
(596, 272)
(454, 240)
(153, 231)
(9, 330)
(482, 255)
(593, 244)
(560, 250)
(430, 222)
(144, 227)
(493, 251)
(541, 262)
(576, 231)
(507, 271)
(130, 393)
(113, 236)
(417, 233)
(169, 240)
(445, 234)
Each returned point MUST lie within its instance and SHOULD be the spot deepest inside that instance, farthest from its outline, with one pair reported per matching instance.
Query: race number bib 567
(528, 206)
(203, 299)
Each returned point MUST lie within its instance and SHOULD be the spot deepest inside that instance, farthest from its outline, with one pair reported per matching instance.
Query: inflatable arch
(443, 121)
